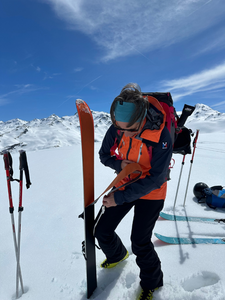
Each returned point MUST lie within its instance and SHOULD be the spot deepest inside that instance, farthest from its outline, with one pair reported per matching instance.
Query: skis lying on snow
(186, 218)
(87, 141)
(182, 240)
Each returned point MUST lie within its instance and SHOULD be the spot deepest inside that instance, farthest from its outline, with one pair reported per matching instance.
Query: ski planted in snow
(186, 218)
(87, 142)
(182, 240)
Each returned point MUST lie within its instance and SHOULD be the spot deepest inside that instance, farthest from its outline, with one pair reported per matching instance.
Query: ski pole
(192, 159)
(178, 185)
(23, 167)
(9, 173)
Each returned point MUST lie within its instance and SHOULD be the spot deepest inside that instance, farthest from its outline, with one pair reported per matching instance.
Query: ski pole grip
(8, 161)
(24, 166)
(194, 145)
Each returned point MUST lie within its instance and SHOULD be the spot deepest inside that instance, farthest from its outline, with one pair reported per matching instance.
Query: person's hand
(109, 201)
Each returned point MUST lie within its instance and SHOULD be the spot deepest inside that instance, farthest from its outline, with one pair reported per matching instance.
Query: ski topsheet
(186, 218)
(87, 142)
(183, 240)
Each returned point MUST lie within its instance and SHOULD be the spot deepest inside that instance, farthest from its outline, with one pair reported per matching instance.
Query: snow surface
(52, 263)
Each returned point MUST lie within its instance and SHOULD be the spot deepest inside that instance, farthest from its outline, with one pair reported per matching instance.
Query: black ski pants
(146, 212)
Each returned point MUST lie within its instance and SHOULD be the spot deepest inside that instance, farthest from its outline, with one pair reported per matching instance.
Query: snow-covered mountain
(57, 132)
(206, 119)
(49, 132)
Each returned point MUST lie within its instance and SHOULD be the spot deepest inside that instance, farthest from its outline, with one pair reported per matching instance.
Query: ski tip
(159, 236)
(164, 239)
(79, 101)
(82, 106)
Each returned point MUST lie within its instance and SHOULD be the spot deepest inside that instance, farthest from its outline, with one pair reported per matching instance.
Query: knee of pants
(101, 232)
(140, 245)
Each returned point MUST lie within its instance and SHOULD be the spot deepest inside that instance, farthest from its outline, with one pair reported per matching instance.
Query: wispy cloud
(78, 69)
(36, 68)
(77, 94)
(213, 42)
(128, 27)
(3, 101)
(93, 88)
(207, 80)
(20, 90)
(219, 104)
(51, 76)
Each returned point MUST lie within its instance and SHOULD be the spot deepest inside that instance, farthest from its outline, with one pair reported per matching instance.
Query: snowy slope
(52, 263)
(35, 135)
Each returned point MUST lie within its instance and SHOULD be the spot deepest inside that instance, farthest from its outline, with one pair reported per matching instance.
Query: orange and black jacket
(151, 148)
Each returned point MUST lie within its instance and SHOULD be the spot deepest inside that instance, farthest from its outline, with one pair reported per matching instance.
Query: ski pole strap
(128, 170)
(24, 166)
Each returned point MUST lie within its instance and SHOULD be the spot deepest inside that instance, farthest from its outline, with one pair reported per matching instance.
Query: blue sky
(55, 51)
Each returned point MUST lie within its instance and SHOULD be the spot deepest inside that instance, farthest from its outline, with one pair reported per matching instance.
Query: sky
(53, 52)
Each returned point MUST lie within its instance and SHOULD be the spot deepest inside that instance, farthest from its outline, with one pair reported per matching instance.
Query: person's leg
(145, 215)
(108, 240)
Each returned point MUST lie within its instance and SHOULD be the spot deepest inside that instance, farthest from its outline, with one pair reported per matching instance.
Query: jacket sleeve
(161, 156)
(105, 150)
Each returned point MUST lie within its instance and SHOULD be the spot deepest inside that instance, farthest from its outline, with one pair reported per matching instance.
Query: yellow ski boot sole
(107, 265)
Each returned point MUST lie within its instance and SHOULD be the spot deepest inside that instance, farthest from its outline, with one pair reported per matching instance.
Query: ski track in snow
(52, 263)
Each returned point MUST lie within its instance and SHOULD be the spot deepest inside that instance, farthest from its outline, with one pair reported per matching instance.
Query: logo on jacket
(164, 145)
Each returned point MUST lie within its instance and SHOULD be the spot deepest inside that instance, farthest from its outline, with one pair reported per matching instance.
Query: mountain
(48, 132)
(206, 119)
(54, 131)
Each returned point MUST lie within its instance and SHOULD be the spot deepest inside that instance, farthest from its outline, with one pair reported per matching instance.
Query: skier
(138, 134)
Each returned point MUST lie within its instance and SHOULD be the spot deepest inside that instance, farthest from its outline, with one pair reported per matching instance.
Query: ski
(182, 240)
(186, 218)
(87, 142)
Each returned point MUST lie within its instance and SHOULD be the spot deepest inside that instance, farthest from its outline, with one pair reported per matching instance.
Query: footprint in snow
(130, 279)
(200, 280)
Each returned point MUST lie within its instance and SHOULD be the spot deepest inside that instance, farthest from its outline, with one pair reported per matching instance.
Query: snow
(52, 263)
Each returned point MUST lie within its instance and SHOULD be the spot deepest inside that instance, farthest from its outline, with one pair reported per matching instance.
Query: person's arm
(161, 157)
(105, 151)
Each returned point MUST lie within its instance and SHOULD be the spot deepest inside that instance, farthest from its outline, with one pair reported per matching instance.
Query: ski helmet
(198, 190)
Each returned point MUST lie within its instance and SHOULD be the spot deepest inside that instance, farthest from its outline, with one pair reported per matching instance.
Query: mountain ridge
(55, 131)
